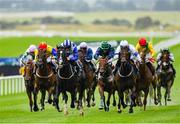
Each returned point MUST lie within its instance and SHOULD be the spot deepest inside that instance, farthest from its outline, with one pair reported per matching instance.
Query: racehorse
(68, 81)
(105, 82)
(125, 79)
(29, 80)
(165, 77)
(91, 81)
(45, 79)
(145, 80)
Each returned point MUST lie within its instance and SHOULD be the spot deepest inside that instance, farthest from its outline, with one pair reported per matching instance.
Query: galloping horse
(145, 80)
(90, 78)
(125, 79)
(29, 80)
(105, 82)
(68, 81)
(165, 77)
(45, 79)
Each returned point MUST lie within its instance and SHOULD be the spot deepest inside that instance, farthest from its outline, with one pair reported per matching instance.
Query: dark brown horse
(29, 81)
(165, 77)
(145, 80)
(45, 79)
(125, 79)
(69, 81)
(91, 81)
(105, 83)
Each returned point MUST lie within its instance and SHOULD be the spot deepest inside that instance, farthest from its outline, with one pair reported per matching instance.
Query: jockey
(88, 54)
(51, 52)
(150, 52)
(73, 55)
(29, 54)
(30, 51)
(135, 57)
(171, 57)
(105, 51)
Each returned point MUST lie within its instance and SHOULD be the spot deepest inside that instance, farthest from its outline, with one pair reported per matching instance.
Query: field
(14, 108)
(15, 46)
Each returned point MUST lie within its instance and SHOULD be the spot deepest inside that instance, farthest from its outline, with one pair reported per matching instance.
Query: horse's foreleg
(119, 102)
(165, 96)
(73, 98)
(169, 90)
(159, 93)
(65, 105)
(102, 99)
(133, 98)
(30, 98)
(114, 99)
(108, 101)
(56, 99)
(146, 91)
(43, 94)
(154, 87)
(36, 89)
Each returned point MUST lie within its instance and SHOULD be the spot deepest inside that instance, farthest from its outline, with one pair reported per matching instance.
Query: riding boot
(151, 67)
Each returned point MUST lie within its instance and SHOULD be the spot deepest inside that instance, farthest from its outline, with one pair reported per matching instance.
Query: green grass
(15, 109)
(15, 46)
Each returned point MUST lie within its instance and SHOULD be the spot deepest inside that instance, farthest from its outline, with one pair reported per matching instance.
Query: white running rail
(11, 85)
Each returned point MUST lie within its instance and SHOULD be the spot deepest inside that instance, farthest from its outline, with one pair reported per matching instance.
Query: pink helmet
(32, 48)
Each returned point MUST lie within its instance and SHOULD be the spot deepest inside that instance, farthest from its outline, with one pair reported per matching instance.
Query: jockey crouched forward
(171, 58)
(51, 52)
(134, 55)
(149, 51)
(88, 53)
(106, 51)
(72, 55)
(29, 54)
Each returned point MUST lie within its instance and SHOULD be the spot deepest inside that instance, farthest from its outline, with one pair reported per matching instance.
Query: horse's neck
(108, 70)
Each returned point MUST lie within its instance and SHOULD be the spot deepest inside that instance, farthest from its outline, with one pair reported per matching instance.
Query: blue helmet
(67, 43)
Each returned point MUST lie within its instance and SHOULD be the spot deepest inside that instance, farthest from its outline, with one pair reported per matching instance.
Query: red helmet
(142, 42)
(42, 46)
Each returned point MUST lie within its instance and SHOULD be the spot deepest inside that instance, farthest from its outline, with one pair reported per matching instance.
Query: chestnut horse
(91, 81)
(105, 82)
(45, 79)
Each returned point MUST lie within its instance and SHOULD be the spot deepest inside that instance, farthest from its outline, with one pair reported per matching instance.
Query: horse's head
(29, 70)
(81, 55)
(165, 59)
(103, 64)
(124, 55)
(143, 56)
(42, 56)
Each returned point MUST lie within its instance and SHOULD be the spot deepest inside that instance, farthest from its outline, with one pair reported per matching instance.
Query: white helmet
(83, 45)
(32, 48)
(124, 43)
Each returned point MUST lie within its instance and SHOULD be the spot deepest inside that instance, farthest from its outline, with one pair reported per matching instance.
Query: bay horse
(125, 79)
(105, 83)
(68, 81)
(45, 79)
(29, 79)
(165, 77)
(145, 80)
(91, 81)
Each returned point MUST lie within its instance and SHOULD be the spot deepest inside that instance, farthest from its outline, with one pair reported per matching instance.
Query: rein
(44, 76)
(125, 75)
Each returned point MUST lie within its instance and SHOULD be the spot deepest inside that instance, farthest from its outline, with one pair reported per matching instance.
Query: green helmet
(105, 45)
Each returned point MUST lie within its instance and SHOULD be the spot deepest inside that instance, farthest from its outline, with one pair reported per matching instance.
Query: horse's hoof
(59, 110)
(114, 103)
(119, 111)
(124, 106)
(81, 113)
(88, 106)
(168, 99)
(50, 101)
(100, 108)
(65, 113)
(93, 104)
(42, 109)
(156, 102)
(72, 106)
(35, 109)
(130, 110)
(107, 109)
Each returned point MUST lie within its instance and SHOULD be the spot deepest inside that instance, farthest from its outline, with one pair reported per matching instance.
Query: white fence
(11, 85)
